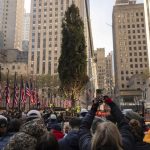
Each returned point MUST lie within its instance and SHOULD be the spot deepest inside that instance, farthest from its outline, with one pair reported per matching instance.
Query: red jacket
(58, 134)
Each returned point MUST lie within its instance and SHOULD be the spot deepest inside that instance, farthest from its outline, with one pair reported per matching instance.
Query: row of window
(127, 72)
(138, 66)
(131, 26)
(136, 60)
(138, 54)
(137, 48)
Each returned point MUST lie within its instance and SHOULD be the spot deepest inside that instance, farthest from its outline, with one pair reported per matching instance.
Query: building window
(13, 67)
(136, 65)
(122, 85)
(145, 59)
(141, 65)
(140, 59)
(145, 65)
(140, 54)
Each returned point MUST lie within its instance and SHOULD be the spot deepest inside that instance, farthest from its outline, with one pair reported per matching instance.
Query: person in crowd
(83, 113)
(57, 131)
(28, 136)
(14, 125)
(137, 131)
(52, 121)
(107, 135)
(33, 114)
(96, 122)
(4, 134)
(70, 142)
(66, 129)
(134, 115)
(48, 142)
(147, 137)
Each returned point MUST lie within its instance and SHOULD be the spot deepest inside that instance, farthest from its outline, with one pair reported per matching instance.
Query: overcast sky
(101, 19)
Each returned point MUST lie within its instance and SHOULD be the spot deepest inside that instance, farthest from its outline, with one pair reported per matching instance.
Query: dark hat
(133, 115)
(56, 127)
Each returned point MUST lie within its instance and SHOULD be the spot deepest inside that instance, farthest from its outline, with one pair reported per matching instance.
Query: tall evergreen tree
(72, 63)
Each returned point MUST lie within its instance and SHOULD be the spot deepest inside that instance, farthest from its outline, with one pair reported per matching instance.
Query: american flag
(23, 93)
(31, 92)
(27, 90)
(7, 92)
(0, 93)
(16, 94)
(32, 98)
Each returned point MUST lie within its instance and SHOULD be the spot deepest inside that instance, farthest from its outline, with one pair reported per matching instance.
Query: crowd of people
(48, 131)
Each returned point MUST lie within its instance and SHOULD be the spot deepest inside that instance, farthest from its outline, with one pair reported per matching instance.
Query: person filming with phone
(108, 136)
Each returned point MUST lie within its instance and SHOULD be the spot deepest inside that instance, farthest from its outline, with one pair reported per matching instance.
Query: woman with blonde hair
(107, 136)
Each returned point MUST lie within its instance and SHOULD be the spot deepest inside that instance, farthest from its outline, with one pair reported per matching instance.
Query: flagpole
(14, 91)
(31, 93)
(7, 89)
(19, 103)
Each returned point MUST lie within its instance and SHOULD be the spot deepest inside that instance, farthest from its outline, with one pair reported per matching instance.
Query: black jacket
(142, 146)
(70, 142)
(85, 134)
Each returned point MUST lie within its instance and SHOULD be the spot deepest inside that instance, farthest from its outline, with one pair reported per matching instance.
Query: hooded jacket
(70, 142)
(27, 137)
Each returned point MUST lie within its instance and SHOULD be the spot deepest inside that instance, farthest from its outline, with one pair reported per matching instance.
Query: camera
(100, 99)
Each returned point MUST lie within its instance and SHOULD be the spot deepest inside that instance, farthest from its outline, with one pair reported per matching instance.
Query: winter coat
(27, 137)
(5, 139)
(58, 134)
(142, 146)
(70, 142)
(85, 134)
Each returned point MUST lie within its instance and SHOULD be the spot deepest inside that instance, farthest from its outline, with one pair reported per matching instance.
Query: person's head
(95, 123)
(56, 127)
(3, 125)
(106, 137)
(136, 129)
(28, 135)
(48, 142)
(83, 112)
(75, 123)
(133, 115)
(53, 117)
(66, 129)
(33, 114)
(14, 125)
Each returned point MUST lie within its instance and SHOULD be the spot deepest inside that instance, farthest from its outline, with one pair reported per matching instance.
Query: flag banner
(0, 93)
(28, 92)
(23, 92)
(16, 97)
(7, 92)
(31, 92)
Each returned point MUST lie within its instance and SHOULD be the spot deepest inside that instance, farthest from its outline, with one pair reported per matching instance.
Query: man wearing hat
(33, 114)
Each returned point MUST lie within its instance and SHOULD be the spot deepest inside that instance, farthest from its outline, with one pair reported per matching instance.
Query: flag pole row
(23, 93)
